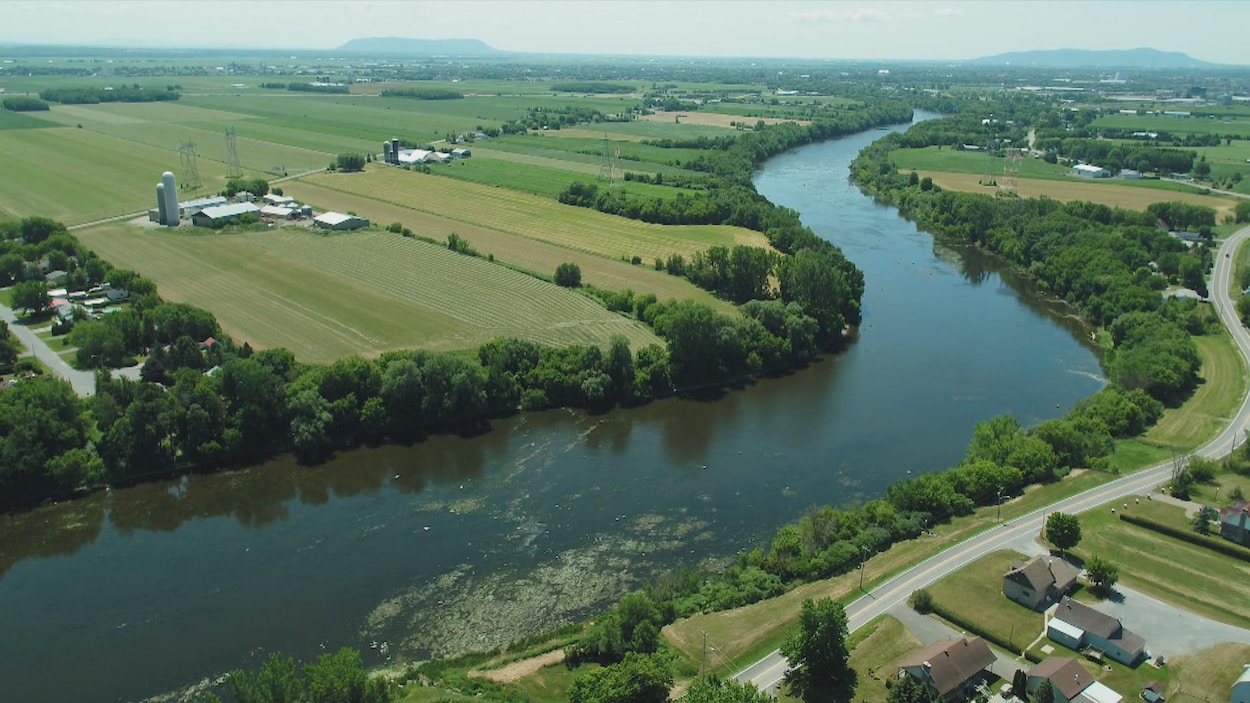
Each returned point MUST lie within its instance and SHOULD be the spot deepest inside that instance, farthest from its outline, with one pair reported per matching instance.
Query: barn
(339, 221)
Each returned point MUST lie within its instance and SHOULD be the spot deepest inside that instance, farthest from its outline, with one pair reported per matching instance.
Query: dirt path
(518, 670)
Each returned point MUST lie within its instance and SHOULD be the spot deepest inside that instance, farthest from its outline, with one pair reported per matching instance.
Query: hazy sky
(936, 29)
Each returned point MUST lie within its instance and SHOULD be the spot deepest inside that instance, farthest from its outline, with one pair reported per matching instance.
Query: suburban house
(1070, 682)
(1235, 523)
(1241, 687)
(1039, 582)
(1152, 692)
(339, 221)
(1088, 171)
(951, 668)
(1077, 626)
(219, 215)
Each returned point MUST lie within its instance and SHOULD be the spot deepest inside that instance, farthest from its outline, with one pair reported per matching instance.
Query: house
(1066, 676)
(116, 295)
(1241, 687)
(1088, 171)
(951, 668)
(1152, 692)
(1039, 582)
(339, 221)
(222, 214)
(56, 277)
(1077, 626)
(1235, 523)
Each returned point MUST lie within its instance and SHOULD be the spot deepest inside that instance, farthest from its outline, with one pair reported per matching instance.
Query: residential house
(951, 668)
(1066, 676)
(1152, 692)
(1077, 626)
(1241, 687)
(1039, 582)
(1235, 523)
(56, 278)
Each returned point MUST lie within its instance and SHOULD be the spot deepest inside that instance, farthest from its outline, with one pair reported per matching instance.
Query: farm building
(272, 199)
(1130, 173)
(191, 207)
(461, 153)
(339, 221)
(1088, 171)
(413, 156)
(222, 214)
(278, 212)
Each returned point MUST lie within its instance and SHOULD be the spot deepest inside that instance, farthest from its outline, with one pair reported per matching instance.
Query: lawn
(1185, 575)
(975, 593)
(1224, 485)
(531, 216)
(1207, 675)
(325, 297)
(24, 120)
(884, 642)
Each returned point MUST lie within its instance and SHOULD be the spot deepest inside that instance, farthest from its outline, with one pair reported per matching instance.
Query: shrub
(922, 601)
(569, 275)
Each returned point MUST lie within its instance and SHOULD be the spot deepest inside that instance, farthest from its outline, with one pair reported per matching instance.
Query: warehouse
(222, 214)
(339, 221)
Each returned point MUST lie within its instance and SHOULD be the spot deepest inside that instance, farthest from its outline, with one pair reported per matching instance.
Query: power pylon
(987, 176)
(190, 169)
(233, 168)
(605, 164)
(1011, 170)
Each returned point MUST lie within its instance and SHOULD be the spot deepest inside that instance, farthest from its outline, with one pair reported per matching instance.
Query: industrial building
(339, 221)
(191, 207)
(1088, 171)
(222, 214)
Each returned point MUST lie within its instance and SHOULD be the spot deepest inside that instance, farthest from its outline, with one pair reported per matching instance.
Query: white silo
(171, 199)
(160, 203)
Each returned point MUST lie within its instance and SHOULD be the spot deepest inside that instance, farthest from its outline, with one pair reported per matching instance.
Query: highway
(768, 672)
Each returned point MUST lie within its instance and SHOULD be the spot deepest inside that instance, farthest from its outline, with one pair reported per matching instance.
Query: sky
(842, 29)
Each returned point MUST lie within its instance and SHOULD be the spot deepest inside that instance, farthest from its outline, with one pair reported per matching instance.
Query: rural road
(82, 381)
(768, 672)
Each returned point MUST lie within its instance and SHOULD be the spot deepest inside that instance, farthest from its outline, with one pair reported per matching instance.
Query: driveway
(1169, 631)
(929, 630)
(83, 382)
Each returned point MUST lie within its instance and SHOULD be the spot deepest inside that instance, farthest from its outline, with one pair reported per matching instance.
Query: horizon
(902, 30)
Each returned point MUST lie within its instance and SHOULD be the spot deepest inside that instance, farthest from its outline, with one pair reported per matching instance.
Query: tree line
(25, 104)
(423, 93)
(117, 94)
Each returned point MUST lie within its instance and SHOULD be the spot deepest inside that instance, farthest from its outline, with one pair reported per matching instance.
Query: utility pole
(863, 561)
(703, 659)
(999, 516)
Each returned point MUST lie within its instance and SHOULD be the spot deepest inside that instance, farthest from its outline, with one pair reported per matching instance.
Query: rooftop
(951, 662)
(1041, 573)
(230, 210)
(1064, 673)
(333, 218)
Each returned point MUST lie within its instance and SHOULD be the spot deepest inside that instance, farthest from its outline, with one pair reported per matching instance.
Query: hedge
(1220, 545)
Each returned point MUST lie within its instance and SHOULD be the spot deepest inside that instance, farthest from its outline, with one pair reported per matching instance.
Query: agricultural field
(714, 119)
(1115, 194)
(531, 216)
(546, 180)
(1238, 126)
(325, 297)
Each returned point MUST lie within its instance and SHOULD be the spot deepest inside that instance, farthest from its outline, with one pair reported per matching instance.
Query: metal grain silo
(394, 150)
(172, 216)
(160, 203)
(386, 152)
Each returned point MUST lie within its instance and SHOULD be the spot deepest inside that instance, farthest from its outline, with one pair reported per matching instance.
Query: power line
(233, 168)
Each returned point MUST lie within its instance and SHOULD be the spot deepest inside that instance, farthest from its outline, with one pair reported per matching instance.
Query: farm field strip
(547, 181)
(256, 155)
(1107, 194)
(536, 217)
(324, 297)
(516, 250)
(1235, 126)
(713, 119)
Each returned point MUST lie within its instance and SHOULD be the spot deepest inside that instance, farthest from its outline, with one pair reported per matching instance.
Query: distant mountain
(1087, 58)
(402, 46)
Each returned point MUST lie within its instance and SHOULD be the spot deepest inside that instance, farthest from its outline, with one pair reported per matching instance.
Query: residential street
(82, 381)
(767, 672)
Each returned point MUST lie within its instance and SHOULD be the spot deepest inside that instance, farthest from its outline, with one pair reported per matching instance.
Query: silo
(386, 152)
(172, 217)
(160, 203)
(394, 150)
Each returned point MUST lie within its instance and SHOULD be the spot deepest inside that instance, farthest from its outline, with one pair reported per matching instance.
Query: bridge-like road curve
(768, 672)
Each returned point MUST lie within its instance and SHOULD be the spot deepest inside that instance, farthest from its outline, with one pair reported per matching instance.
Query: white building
(339, 221)
(1088, 171)
(1241, 687)
(191, 207)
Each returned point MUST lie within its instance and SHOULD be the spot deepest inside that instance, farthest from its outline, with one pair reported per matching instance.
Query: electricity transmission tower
(987, 177)
(605, 164)
(1011, 170)
(233, 168)
(190, 169)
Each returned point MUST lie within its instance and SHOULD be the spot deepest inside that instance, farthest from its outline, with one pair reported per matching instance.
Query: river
(469, 542)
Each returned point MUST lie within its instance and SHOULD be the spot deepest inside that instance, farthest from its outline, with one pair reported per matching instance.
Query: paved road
(767, 672)
(82, 381)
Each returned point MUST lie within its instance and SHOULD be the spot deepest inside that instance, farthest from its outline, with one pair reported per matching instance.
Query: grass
(362, 293)
(1223, 485)
(545, 180)
(23, 120)
(884, 641)
(975, 593)
(516, 250)
(1196, 579)
(534, 217)
(1216, 400)
(1207, 675)
(1239, 126)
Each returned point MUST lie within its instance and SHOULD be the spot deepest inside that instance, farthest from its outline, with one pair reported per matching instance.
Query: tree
(818, 654)
(1242, 210)
(922, 601)
(30, 296)
(9, 346)
(714, 689)
(911, 690)
(1045, 692)
(1019, 683)
(1102, 574)
(639, 678)
(1202, 521)
(1063, 531)
(569, 275)
(99, 345)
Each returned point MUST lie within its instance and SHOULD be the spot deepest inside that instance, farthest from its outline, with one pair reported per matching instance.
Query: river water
(470, 542)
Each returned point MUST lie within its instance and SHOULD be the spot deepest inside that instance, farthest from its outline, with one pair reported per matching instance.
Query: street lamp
(863, 551)
(999, 515)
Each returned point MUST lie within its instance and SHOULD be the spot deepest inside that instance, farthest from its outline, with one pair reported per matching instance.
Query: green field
(975, 593)
(1213, 404)
(881, 644)
(531, 216)
(22, 120)
(1235, 126)
(544, 180)
(325, 297)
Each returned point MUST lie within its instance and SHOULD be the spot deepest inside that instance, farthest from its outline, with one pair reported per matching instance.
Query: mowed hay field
(532, 216)
(713, 119)
(515, 250)
(325, 297)
(1128, 197)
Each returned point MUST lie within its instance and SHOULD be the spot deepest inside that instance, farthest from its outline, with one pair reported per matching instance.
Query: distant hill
(402, 46)
(1087, 58)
